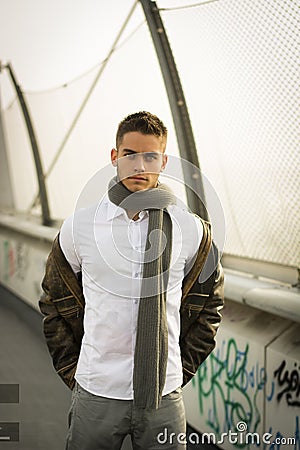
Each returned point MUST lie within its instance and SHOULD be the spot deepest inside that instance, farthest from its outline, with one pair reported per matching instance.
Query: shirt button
(136, 275)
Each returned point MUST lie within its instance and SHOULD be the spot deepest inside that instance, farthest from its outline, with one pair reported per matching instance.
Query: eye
(150, 157)
(130, 156)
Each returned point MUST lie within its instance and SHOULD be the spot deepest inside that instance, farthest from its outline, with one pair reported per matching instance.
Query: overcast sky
(49, 42)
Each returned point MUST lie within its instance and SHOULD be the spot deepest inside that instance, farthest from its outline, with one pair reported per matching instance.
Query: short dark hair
(144, 122)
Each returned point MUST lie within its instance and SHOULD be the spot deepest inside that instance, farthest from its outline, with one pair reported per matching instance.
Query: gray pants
(100, 423)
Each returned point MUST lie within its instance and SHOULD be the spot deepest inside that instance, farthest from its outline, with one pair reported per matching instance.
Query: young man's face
(139, 160)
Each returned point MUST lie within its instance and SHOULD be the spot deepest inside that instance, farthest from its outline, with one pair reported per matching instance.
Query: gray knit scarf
(151, 349)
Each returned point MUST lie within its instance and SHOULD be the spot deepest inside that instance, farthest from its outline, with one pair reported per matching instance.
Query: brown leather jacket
(63, 307)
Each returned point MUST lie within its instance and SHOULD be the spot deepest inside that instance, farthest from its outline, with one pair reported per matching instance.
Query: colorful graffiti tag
(233, 387)
(225, 378)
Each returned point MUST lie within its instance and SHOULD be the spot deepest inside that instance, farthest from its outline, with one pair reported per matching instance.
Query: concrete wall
(23, 255)
(251, 382)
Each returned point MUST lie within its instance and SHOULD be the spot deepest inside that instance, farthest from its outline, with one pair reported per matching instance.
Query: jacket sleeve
(200, 319)
(63, 315)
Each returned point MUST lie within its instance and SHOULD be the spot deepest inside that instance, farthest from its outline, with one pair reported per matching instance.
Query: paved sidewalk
(44, 399)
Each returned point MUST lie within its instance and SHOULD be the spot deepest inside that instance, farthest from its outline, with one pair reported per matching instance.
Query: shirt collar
(115, 211)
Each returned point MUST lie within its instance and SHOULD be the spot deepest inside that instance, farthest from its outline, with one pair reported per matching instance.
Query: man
(127, 319)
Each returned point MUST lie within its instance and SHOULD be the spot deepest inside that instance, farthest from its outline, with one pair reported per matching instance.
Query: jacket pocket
(193, 309)
(194, 303)
(67, 306)
(189, 314)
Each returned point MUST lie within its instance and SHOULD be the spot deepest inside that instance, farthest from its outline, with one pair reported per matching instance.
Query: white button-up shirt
(107, 246)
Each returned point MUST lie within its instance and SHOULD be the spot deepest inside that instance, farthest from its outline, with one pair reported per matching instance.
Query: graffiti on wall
(15, 260)
(226, 379)
(289, 384)
(279, 439)
(232, 387)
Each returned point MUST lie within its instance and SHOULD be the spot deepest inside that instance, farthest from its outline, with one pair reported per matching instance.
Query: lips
(138, 178)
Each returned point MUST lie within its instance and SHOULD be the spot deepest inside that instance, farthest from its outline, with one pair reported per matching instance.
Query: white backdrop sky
(51, 42)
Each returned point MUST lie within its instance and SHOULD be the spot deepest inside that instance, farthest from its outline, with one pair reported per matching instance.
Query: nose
(139, 164)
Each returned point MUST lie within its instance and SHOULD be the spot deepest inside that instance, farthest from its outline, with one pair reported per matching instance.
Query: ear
(164, 162)
(114, 157)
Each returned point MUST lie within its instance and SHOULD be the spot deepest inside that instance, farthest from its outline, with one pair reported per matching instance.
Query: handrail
(266, 295)
(26, 228)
